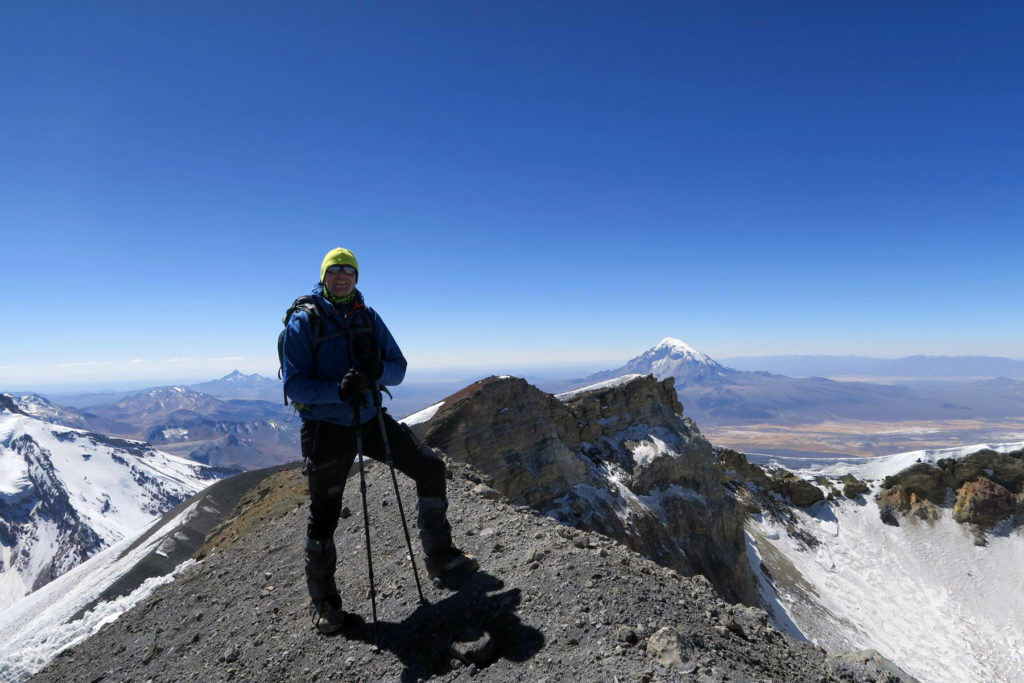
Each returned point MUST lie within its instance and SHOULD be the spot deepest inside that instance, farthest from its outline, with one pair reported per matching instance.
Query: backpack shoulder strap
(308, 304)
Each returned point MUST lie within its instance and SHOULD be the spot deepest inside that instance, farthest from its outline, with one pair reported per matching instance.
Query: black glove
(353, 387)
(371, 365)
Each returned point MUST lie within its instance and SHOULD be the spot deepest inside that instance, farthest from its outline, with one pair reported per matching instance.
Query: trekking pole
(378, 399)
(366, 518)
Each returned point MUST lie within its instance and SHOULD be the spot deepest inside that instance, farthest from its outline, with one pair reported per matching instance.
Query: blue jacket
(312, 383)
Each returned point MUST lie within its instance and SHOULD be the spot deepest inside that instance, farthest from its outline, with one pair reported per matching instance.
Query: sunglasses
(348, 270)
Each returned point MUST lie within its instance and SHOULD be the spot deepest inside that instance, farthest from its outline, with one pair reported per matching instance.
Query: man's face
(342, 282)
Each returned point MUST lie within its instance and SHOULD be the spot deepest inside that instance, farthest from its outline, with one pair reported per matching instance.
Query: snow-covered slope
(79, 603)
(921, 593)
(65, 494)
(42, 624)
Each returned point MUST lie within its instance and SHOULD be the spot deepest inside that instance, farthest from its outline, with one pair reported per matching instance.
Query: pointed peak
(670, 347)
(674, 344)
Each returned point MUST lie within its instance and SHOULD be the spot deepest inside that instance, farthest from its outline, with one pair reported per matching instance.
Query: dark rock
(625, 634)
(737, 462)
(888, 515)
(867, 665)
(919, 481)
(853, 487)
(800, 492)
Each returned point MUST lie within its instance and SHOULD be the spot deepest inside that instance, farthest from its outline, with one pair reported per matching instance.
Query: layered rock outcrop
(510, 430)
(620, 460)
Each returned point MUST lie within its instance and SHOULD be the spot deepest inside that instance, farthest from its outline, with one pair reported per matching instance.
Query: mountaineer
(336, 356)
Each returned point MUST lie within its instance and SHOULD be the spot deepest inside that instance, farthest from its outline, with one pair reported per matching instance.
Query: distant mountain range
(714, 394)
(240, 420)
(910, 367)
(239, 433)
(238, 385)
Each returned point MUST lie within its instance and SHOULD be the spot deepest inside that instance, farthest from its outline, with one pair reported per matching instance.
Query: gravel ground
(557, 604)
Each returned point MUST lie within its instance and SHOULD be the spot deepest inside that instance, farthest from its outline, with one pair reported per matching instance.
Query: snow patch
(565, 396)
(422, 416)
(646, 451)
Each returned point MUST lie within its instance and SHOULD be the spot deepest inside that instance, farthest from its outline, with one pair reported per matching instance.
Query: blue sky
(523, 183)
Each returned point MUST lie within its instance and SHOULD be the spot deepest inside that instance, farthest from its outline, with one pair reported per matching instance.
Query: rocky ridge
(619, 459)
(984, 489)
(554, 603)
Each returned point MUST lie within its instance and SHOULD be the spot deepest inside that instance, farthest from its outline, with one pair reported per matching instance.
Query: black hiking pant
(330, 451)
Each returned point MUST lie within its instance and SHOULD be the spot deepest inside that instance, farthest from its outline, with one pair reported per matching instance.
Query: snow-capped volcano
(671, 358)
(67, 493)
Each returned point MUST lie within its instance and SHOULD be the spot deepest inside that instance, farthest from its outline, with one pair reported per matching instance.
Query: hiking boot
(451, 562)
(326, 615)
(432, 519)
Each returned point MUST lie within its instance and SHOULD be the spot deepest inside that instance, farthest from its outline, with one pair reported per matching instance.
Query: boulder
(800, 492)
(668, 648)
(984, 503)
(853, 487)
(922, 481)
(473, 645)
(737, 462)
(1005, 469)
(897, 499)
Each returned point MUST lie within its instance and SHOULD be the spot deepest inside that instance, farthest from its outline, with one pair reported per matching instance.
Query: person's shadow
(421, 640)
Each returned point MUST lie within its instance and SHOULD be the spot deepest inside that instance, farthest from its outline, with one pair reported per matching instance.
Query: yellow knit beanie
(338, 257)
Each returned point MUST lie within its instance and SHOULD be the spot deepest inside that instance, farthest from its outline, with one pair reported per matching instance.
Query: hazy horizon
(549, 371)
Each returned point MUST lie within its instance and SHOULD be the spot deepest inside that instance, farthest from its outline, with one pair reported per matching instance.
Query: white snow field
(41, 624)
(922, 594)
(49, 472)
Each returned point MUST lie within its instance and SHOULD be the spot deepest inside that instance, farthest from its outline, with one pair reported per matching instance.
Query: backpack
(308, 304)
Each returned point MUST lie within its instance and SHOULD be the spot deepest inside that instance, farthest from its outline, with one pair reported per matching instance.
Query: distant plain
(864, 438)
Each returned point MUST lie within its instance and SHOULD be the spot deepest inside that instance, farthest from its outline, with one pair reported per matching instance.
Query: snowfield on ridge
(922, 594)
